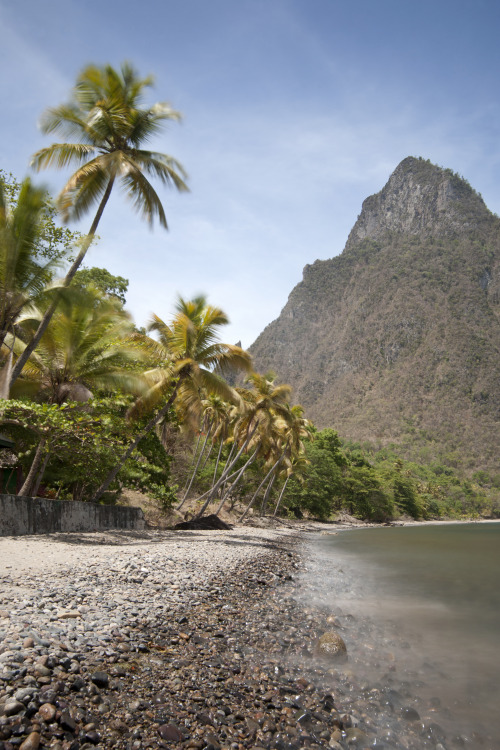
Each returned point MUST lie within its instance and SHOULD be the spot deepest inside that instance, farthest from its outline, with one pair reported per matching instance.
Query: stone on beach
(332, 647)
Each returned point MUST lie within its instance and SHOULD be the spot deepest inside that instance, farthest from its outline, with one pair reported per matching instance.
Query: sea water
(431, 595)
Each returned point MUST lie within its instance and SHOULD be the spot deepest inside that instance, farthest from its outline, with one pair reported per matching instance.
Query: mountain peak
(397, 339)
(419, 198)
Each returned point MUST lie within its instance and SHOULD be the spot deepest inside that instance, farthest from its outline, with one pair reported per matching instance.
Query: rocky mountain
(397, 340)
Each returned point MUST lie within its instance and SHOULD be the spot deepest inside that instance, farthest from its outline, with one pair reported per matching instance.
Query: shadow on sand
(121, 538)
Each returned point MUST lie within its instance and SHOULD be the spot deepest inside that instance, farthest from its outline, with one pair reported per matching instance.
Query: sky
(294, 112)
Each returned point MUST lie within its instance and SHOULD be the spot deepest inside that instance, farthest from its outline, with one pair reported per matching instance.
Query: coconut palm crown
(109, 125)
(188, 351)
(86, 347)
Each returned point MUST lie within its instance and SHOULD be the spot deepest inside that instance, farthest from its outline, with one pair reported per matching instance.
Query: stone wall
(35, 515)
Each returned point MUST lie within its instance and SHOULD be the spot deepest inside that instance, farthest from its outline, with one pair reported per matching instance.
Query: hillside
(397, 340)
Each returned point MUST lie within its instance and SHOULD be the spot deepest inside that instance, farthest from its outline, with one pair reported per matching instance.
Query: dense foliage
(82, 444)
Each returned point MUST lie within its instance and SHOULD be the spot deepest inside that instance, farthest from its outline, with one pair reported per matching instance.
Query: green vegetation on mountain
(397, 340)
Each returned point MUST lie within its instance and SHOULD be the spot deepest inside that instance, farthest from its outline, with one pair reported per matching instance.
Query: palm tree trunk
(281, 494)
(231, 452)
(229, 465)
(67, 281)
(77, 492)
(225, 474)
(269, 473)
(6, 372)
(5, 377)
(34, 468)
(40, 474)
(220, 492)
(195, 469)
(238, 473)
(133, 445)
(207, 457)
(236, 481)
(266, 495)
(195, 453)
(218, 459)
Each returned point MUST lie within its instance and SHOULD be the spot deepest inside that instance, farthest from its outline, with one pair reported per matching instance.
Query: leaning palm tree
(188, 353)
(288, 430)
(259, 406)
(212, 426)
(298, 467)
(109, 124)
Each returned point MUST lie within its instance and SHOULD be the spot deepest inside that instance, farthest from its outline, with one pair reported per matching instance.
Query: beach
(188, 639)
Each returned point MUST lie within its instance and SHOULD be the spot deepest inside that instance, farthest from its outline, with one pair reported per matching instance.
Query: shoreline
(197, 640)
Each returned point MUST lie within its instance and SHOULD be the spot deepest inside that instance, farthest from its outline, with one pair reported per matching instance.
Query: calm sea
(425, 605)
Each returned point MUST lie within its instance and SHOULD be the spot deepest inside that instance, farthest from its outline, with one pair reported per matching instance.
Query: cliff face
(419, 199)
(398, 338)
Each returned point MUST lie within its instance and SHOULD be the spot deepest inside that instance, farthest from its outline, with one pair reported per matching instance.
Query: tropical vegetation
(110, 128)
(96, 406)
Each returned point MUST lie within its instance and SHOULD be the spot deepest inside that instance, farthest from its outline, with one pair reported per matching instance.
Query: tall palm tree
(110, 125)
(188, 352)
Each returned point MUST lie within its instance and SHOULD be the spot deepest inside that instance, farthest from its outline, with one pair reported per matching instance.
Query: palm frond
(67, 120)
(142, 193)
(61, 154)
(146, 123)
(152, 398)
(165, 168)
(84, 189)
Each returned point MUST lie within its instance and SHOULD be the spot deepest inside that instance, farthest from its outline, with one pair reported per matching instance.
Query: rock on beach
(332, 647)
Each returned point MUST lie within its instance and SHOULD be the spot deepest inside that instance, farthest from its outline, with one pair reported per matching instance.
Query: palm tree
(85, 347)
(215, 411)
(288, 428)
(88, 345)
(299, 465)
(110, 125)
(188, 352)
(23, 277)
(258, 409)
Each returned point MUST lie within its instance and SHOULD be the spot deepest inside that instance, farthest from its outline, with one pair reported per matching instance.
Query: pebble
(32, 742)
(47, 712)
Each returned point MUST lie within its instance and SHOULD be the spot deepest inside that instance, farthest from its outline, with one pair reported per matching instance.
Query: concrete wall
(36, 515)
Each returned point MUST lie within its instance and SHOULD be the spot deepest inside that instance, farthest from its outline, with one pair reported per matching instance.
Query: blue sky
(294, 112)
